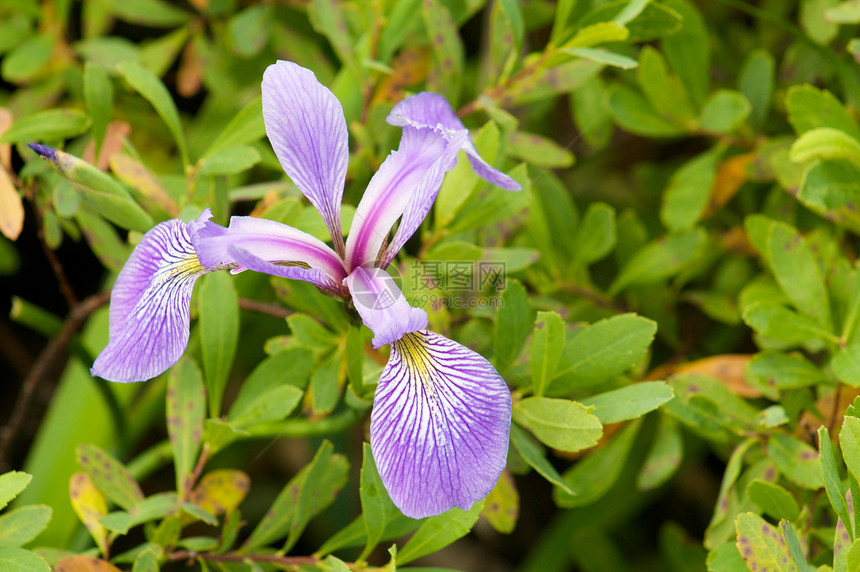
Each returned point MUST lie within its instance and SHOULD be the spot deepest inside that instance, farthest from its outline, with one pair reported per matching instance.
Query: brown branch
(264, 308)
(49, 357)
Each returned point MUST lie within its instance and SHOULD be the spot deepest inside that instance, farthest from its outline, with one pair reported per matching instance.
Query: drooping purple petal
(271, 247)
(440, 425)
(382, 307)
(415, 167)
(432, 109)
(307, 129)
(149, 311)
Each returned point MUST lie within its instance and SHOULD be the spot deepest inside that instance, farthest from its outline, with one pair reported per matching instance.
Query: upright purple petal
(440, 425)
(424, 156)
(271, 247)
(307, 129)
(149, 311)
(432, 109)
(382, 307)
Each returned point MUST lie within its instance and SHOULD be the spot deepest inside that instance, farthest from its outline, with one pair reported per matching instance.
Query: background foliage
(678, 322)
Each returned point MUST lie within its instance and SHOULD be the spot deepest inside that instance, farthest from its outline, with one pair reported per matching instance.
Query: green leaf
(28, 59)
(602, 351)
(156, 13)
(110, 476)
(219, 334)
(664, 456)
(662, 89)
(780, 323)
(832, 189)
(11, 485)
(689, 51)
(629, 402)
(537, 150)
(249, 30)
(755, 82)
(229, 161)
(547, 344)
(724, 111)
(186, 410)
(376, 506)
(513, 323)
(150, 87)
(531, 452)
(775, 371)
(595, 236)
(825, 143)
(49, 125)
(603, 57)
(832, 480)
(271, 405)
(660, 259)
(849, 443)
(146, 561)
(689, 191)
(593, 476)
(306, 495)
(596, 34)
(20, 526)
(810, 108)
(244, 128)
(447, 49)
(793, 265)
(327, 18)
(14, 559)
(846, 364)
(773, 499)
(98, 95)
(559, 423)
(326, 383)
(847, 12)
(760, 544)
(793, 545)
(796, 460)
(633, 113)
(438, 532)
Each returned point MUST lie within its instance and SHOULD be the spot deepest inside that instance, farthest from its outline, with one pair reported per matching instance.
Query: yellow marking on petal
(415, 353)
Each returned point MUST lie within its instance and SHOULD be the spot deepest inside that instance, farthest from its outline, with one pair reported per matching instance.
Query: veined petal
(412, 170)
(440, 425)
(423, 196)
(432, 109)
(382, 307)
(271, 247)
(149, 311)
(307, 129)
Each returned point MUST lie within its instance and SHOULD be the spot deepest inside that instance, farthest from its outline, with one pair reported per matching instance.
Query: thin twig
(264, 308)
(49, 357)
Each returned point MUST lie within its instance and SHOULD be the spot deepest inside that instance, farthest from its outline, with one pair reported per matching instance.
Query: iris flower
(441, 414)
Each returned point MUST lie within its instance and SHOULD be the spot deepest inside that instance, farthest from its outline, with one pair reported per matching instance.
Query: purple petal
(408, 177)
(271, 247)
(382, 307)
(440, 425)
(149, 311)
(432, 109)
(307, 129)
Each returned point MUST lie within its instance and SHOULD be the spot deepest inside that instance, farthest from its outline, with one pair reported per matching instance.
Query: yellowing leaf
(84, 564)
(502, 506)
(220, 491)
(731, 175)
(90, 506)
(135, 174)
(11, 207)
